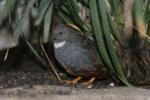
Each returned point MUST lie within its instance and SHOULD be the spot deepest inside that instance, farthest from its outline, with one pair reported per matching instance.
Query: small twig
(74, 27)
(50, 63)
(6, 54)
(147, 37)
(7, 51)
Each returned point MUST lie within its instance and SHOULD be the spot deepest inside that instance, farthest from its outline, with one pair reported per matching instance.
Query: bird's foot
(89, 83)
(74, 81)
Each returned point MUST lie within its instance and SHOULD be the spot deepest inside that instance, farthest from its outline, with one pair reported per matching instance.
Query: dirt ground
(29, 80)
(28, 73)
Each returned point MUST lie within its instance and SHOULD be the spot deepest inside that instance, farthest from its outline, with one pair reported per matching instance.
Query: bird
(77, 54)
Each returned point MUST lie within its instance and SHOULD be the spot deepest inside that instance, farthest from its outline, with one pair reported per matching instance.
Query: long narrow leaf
(72, 7)
(98, 34)
(35, 52)
(10, 6)
(116, 10)
(47, 23)
(139, 17)
(19, 28)
(44, 5)
(106, 29)
(64, 17)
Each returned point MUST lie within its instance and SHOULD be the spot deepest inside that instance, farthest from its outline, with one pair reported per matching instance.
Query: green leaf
(19, 28)
(106, 30)
(44, 5)
(64, 17)
(72, 7)
(84, 3)
(139, 19)
(116, 10)
(35, 52)
(9, 7)
(47, 23)
(99, 34)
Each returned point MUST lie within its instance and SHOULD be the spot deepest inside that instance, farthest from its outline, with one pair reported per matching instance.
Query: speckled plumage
(78, 54)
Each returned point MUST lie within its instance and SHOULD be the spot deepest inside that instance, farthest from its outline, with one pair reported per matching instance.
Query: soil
(28, 73)
(28, 80)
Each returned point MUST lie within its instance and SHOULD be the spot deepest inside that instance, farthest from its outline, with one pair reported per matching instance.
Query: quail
(77, 54)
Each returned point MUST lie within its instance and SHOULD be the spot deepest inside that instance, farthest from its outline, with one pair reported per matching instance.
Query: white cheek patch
(59, 45)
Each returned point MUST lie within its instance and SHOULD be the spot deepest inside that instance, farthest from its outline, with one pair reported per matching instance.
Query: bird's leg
(89, 82)
(74, 81)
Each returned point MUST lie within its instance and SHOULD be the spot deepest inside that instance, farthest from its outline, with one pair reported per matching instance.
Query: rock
(69, 93)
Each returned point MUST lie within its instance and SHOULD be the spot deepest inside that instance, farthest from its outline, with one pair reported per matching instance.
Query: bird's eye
(60, 33)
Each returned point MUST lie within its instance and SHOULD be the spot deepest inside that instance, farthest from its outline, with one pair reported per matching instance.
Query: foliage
(114, 24)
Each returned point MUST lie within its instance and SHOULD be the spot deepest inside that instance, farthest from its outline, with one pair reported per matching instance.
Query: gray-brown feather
(78, 52)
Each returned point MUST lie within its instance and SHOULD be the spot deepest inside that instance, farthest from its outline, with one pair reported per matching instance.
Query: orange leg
(89, 81)
(74, 81)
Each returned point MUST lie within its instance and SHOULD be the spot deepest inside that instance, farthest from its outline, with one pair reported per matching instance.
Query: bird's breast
(59, 44)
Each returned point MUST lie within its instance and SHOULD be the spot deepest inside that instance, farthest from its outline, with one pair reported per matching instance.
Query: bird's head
(63, 33)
